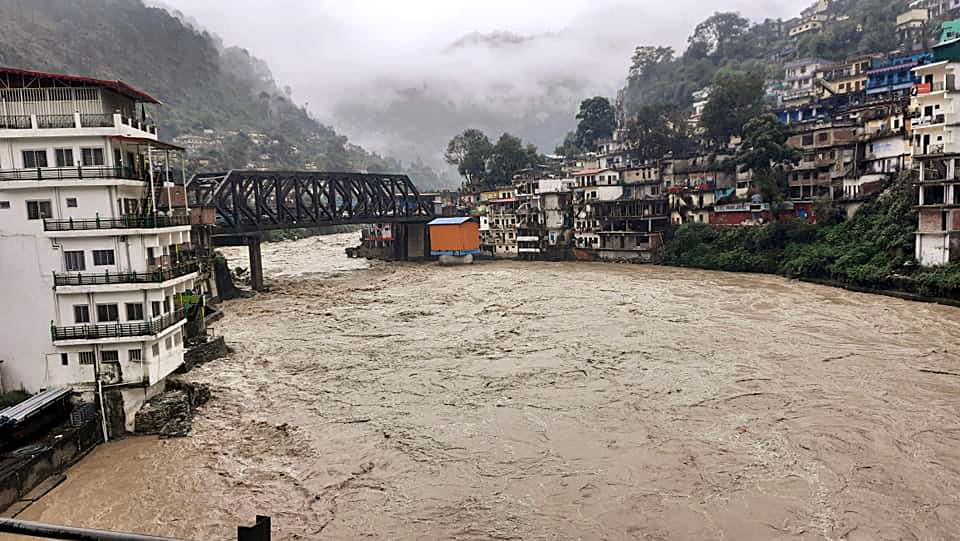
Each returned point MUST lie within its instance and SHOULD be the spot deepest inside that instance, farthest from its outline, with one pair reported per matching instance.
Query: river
(512, 400)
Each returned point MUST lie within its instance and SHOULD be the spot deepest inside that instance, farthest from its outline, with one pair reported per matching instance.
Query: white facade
(934, 130)
(89, 274)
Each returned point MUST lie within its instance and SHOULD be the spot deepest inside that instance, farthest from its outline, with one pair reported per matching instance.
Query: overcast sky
(364, 64)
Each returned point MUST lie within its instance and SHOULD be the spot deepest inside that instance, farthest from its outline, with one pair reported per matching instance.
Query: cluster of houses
(858, 124)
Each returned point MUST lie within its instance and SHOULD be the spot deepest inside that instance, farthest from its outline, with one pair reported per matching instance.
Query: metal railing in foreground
(259, 532)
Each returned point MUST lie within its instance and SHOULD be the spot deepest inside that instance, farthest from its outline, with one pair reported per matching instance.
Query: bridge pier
(256, 263)
(410, 242)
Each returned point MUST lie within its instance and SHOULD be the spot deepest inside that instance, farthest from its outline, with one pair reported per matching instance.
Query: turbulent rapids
(549, 400)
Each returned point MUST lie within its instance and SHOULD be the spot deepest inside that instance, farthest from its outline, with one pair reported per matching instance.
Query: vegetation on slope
(873, 249)
(727, 44)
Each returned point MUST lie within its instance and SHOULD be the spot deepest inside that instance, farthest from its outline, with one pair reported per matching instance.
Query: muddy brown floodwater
(509, 400)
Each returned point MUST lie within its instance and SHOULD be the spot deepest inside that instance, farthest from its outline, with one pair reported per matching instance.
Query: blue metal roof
(449, 221)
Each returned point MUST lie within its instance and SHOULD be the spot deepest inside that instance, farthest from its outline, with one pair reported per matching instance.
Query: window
(156, 349)
(168, 343)
(87, 357)
(134, 355)
(74, 260)
(64, 157)
(72, 202)
(81, 313)
(103, 257)
(166, 305)
(4, 204)
(110, 355)
(107, 312)
(34, 158)
(134, 311)
(807, 140)
(38, 210)
(177, 338)
(155, 308)
(64, 359)
(92, 156)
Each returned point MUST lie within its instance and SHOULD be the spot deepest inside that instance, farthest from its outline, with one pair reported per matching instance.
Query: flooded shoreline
(549, 400)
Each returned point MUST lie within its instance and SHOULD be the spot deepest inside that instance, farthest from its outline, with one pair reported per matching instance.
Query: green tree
(720, 34)
(569, 147)
(597, 120)
(657, 130)
(470, 151)
(734, 100)
(509, 156)
(765, 151)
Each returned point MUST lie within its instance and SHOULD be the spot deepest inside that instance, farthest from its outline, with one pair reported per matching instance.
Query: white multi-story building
(92, 277)
(936, 148)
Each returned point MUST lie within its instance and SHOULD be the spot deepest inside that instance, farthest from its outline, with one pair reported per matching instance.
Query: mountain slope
(205, 87)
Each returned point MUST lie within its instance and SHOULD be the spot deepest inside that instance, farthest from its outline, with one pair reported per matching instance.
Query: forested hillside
(728, 44)
(206, 88)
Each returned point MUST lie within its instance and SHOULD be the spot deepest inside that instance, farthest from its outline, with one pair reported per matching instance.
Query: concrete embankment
(25, 469)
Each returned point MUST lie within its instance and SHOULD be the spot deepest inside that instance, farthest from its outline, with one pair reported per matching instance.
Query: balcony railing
(118, 330)
(156, 276)
(928, 120)
(73, 173)
(125, 222)
(96, 121)
(56, 121)
(84, 120)
(15, 122)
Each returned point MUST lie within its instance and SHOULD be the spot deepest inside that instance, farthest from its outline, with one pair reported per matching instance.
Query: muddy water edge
(517, 400)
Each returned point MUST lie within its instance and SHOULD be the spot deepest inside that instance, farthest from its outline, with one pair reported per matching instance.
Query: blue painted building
(894, 75)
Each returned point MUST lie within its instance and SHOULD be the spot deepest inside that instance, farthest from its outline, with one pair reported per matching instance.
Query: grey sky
(371, 67)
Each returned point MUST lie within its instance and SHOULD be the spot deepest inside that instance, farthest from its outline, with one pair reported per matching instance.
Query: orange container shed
(454, 236)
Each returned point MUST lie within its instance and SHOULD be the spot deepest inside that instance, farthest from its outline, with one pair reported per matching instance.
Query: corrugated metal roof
(449, 221)
(23, 410)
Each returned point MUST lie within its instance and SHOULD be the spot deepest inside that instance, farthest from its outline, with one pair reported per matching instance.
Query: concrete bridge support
(410, 242)
(256, 263)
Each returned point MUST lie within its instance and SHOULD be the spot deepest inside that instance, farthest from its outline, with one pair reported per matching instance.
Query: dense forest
(203, 85)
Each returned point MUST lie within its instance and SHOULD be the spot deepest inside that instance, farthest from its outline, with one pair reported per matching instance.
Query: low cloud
(401, 78)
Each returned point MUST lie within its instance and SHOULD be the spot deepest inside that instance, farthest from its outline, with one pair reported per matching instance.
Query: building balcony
(72, 121)
(928, 121)
(158, 275)
(125, 222)
(74, 173)
(118, 330)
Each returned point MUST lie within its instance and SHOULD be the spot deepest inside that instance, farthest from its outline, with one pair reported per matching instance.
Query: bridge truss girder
(248, 201)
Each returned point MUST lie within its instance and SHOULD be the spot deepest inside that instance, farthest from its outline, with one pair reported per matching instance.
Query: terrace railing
(73, 173)
(155, 276)
(96, 121)
(56, 121)
(118, 330)
(125, 222)
(15, 122)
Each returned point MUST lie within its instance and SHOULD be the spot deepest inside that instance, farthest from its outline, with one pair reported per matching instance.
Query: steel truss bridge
(250, 201)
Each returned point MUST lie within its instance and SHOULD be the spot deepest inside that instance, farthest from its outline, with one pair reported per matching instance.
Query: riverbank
(872, 251)
(535, 399)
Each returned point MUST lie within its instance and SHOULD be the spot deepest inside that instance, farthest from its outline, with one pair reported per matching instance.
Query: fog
(401, 78)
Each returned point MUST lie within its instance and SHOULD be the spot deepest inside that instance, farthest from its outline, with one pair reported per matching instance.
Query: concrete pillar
(416, 243)
(256, 263)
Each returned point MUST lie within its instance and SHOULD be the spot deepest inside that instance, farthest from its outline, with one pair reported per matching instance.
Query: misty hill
(221, 94)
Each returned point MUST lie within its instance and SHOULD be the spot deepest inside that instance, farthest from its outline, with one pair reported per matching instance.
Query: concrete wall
(20, 475)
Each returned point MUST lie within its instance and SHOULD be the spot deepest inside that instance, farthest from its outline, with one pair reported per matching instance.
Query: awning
(147, 142)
